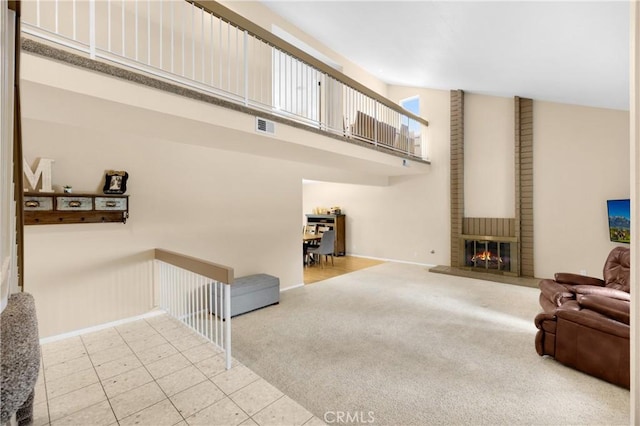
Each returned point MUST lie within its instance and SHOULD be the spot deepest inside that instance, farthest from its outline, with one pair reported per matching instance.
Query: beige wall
(489, 168)
(581, 159)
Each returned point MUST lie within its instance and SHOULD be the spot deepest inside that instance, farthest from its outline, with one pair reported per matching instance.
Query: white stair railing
(198, 293)
(183, 42)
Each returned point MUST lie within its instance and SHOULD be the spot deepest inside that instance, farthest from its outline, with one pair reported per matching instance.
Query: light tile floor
(154, 372)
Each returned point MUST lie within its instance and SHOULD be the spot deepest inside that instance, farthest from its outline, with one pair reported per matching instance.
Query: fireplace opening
(494, 256)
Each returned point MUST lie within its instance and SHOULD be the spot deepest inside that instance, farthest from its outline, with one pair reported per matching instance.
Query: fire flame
(486, 255)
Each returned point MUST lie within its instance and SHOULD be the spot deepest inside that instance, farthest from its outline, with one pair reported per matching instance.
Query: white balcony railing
(198, 293)
(187, 44)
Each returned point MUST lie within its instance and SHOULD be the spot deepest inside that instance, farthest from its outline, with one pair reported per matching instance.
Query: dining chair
(325, 248)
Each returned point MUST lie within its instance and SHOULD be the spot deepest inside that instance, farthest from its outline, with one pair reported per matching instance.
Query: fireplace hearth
(490, 254)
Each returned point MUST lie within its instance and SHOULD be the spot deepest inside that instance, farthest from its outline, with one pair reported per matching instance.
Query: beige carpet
(402, 346)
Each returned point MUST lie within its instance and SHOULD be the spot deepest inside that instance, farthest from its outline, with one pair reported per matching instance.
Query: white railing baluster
(124, 51)
(160, 30)
(74, 19)
(216, 312)
(199, 309)
(149, 31)
(135, 27)
(92, 29)
(228, 57)
(56, 17)
(237, 61)
(183, 73)
(202, 44)
(158, 280)
(193, 43)
(172, 39)
(246, 67)
(219, 53)
(227, 318)
(194, 309)
(108, 25)
(184, 307)
(211, 46)
(185, 293)
(188, 298)
(206, 315)
(207, 305)
(176, 293)
(221, 311)
(173, 291)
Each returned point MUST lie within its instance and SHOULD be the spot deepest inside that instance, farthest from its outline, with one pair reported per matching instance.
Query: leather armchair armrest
(542, 317)
(555, 292)
(570, 305)
(594, 321)
(613, 308)
(575, 279)
(603, 291)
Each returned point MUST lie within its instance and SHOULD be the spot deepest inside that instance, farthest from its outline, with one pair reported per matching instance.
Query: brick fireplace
(498, 245)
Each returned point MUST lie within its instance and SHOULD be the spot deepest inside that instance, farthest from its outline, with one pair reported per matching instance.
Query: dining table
(308, 237)
(309, 240)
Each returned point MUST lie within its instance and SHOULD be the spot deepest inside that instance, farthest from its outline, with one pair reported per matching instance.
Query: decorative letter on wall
(42, 169)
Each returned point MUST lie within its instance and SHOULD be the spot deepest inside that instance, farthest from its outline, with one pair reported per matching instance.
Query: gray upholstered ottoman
(253, 292)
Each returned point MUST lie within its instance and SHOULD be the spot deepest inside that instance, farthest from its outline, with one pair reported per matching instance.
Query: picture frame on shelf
(115, 182)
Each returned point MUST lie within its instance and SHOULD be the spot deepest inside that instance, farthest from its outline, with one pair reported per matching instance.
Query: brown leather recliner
(585, 320)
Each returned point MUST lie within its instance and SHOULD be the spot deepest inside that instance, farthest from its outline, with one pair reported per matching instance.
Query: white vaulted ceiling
(574, 52)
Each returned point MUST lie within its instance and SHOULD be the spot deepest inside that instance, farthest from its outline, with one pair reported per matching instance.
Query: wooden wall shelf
(58, 208)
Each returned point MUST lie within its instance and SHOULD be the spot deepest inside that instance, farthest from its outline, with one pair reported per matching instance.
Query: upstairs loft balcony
(212, 50)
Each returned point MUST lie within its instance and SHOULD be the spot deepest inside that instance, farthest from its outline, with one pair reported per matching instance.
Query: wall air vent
(265, 126)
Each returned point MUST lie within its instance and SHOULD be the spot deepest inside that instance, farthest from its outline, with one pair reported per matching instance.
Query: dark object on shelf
(585, 323)
(115, 182)
(49, 209)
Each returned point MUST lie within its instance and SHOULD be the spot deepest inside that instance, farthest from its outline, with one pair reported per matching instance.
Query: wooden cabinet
(335, 222)
(48, 209)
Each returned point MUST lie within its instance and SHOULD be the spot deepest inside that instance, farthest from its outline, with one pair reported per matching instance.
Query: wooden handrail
(221, 273)
(243, 23)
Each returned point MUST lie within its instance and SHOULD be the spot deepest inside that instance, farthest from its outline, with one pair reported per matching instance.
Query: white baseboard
(428, 265)
(292, 287)
(74, 333)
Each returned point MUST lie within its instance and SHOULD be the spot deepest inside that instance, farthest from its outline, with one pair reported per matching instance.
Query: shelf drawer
(74, 203)
(35, 204)
(111, 203)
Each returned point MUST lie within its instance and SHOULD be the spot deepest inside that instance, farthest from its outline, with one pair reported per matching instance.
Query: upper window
(412, 105)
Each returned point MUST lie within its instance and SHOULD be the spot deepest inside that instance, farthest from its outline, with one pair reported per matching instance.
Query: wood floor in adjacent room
(342, 265)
